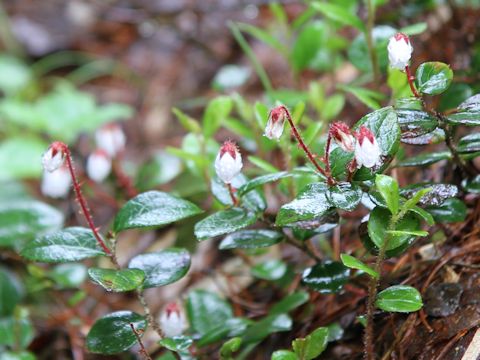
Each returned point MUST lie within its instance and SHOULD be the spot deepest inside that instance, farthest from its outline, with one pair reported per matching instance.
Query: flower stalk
(411, 79)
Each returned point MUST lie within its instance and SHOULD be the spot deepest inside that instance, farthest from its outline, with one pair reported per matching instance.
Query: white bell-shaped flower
(56, 184)
(172, 320)
(399, 51)
(54, 157)
(111, 138)
(367, 150)
(99, 165)
(275, 123)
(228, 163)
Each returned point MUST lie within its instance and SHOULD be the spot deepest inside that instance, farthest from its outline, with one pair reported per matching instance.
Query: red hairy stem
(143, 351)
(231, 191)
(304, 147)
(410, 79)
(81, 200)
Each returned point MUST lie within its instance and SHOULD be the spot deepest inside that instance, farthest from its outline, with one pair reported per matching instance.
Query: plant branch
(231, 191)
(410, 79)
(143, 351)
(155, 325)
(305, 148)
(370, 44)
(83, 203)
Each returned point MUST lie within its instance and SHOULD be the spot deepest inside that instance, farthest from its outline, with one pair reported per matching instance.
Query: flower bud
(399, 51)
(99, 165)
(111, 138)
(228, 163)
(56, 184)
(54, 157)
(275, 123)
(367, 150)
(172, 320)
(342, 135)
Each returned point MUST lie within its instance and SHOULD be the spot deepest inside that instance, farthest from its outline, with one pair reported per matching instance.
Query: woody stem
(304, 147)
(410, 79)
(83, 203)
(231, 191)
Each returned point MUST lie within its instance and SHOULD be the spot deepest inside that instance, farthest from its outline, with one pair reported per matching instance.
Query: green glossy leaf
(270, 270)
(162, 267)
(311, 45)
(450, 211)
(261, 180)
(312, 345)
(425, 215)
(284, 355)
(224, 222)
(425, 159)
(117, 280)
(384, 125)
(339, 161)
(189, 123)
(289, 303)
(113, 333)
(420, 233)
(206, 310)
(415, 123)
(178, 343)
(268, 325)
(469, 143)
(388, 188)
(11, 291)
(68, 276)
(310, 204)
(399, 298)
(433, 78)
(327, 277)
(374, 249)
(378, 226)
(23, 220)
(436, 194)
(344, 196)
(216, 112)
(415, 199)
(251, 239)
(230, 347)
(368, 97)
(472, 185)
(353, 263)
(339, 14)
(468, 112)
(69, 244)
(152, 209)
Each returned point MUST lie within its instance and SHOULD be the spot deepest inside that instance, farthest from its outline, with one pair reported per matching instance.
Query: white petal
(172, 324)
(368, 154)
(56, 184)
(98, 167)
(52, 163)
(227, 167)
(399, 53)
(110, 139)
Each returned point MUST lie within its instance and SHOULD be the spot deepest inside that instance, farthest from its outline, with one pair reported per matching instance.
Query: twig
(231, 191)
(143, 351)
(303, 248)
(155, 325)
(410, 79)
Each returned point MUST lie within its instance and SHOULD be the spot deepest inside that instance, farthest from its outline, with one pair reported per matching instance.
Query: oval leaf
(399, 298)
(117, 280)
(113, 333)
(344, 196)
(206, 311)
(468, 112)
(353, 263)
(270, 270)
(224, 222)
(251, 239)
(70, 244)
(433, 78)
(151, 209)
(327, 277)
(163, 267)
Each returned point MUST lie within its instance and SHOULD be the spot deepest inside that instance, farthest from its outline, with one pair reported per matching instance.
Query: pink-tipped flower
(172, 320)
(367, 150)
(99, 165)
(228, 163)
(111, 138)
(54, 157)
(56, 183)
(399, 51)
(275, 123)
(343, 136)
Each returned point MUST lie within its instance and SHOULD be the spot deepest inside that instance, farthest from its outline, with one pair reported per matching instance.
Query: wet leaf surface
(153, 209)
(344, 196)
(425, 159)
(113, 334)
(327, 277)
(433, 78)
(399, 298)
(436, 196)
(117, 280)
(251, 239)
(414, 123)
(162, 267)
(206, 311)
(468, 112)
(224, 222)
(70, 244)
